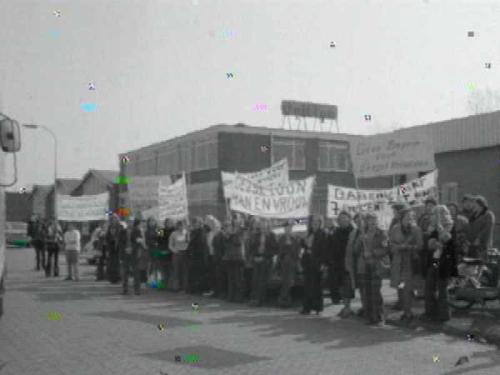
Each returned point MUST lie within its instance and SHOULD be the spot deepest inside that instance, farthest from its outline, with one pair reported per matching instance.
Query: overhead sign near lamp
(307, 109)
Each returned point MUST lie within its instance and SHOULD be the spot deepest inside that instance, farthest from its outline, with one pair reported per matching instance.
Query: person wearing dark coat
(111, 239)
(198, 255)
(37, 234)
(166, 257)
(335, 256)
(441, 264)
(313, 261)
(100, 244)
(234, 259)
(53, 241)
(482, 227)
(218, 244)
(133, 246)
(288, 257)
(262, 247)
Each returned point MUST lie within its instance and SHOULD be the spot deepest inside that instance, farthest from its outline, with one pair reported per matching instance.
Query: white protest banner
(379, 201)
(275, 175)
(281, 202)
(346, 199)
(391, 154)
(173, 202)
(143, 191)
(83, 208)
(419, 189)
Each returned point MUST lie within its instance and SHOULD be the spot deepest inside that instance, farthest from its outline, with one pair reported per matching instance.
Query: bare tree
(482, 101)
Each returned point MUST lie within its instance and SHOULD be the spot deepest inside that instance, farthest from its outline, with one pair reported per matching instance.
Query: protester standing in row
(234, 260)
(165, 262)
(113, 265)
(312, 261)
(178, 244)
(54, 239)
(197, 251)
(220, 269)
(72, 248)
(482, 226)
(100, 244)
(441, 264)
(352, 258)
(213, 229)
(406, 244)
(133, 246)
(462, 230)
(288, 250)
(370, 267)
(152, 234)
(262, 247)
(337, 243)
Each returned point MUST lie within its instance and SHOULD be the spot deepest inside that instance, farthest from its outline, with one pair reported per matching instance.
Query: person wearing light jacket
(72, 248)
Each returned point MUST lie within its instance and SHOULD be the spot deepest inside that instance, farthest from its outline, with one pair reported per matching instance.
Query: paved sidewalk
(53, 327)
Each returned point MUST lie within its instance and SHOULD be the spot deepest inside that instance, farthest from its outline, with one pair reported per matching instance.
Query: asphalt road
(53, 327)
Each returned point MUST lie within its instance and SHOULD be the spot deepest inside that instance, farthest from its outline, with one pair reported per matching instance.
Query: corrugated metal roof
(471, 132)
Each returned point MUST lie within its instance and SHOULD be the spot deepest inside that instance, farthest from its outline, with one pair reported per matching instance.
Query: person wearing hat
(482, 226)
(406, 242)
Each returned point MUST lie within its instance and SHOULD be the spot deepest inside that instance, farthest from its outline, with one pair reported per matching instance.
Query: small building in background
(38, 200)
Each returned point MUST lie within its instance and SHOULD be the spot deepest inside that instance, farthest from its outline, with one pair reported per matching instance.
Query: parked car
(16, 234)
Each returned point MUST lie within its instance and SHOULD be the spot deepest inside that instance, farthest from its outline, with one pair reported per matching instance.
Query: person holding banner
(374, 249)
(312, 264)
(262, 247)
(441, 264)
(288, 249)
(406, 244)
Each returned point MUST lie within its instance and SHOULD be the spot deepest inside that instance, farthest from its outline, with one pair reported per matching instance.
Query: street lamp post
(32, 126)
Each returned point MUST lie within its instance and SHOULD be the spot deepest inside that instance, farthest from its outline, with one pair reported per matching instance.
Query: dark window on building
(449, 193)
(291, 149)
(205, 152)
(333, 156)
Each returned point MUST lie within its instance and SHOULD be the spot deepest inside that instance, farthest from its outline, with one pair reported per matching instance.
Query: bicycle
(477, 282)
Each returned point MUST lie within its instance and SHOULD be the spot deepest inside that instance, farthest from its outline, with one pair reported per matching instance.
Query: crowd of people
(235, 260)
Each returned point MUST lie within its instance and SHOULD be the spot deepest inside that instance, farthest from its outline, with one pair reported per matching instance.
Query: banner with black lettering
(281, 202)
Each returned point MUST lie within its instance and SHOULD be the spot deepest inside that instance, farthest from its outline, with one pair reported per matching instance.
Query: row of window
(333, 156)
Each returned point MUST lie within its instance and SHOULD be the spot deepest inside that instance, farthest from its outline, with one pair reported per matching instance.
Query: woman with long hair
(441, 264)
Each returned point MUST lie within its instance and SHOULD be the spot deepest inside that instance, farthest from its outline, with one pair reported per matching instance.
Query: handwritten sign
(391, 154)
(83, 208)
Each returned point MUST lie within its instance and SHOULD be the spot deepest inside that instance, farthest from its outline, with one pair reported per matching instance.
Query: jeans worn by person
(72, 259)
(130, 267)
(39, 254)
(52, 259)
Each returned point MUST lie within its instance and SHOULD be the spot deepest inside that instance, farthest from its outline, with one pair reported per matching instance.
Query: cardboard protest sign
(83, 208)
(275, 175)
(391, 154)
(282, 202)
(143, 192)
(173, 202)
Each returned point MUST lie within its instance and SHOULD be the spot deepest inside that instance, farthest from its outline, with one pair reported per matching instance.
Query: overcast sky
(159, 68)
